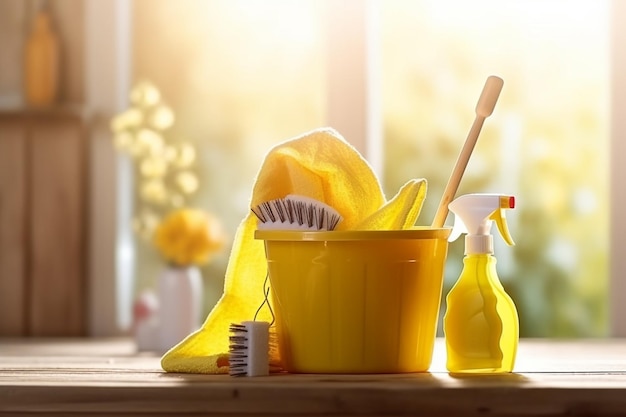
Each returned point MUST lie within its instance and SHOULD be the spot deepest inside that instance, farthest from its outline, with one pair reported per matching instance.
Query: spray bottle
(481, 325)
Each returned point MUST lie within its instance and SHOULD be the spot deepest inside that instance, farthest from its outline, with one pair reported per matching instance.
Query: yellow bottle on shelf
(481, 325)
(41, 61)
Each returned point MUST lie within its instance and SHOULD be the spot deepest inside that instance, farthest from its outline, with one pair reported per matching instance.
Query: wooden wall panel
(57, 287)
(13, 253)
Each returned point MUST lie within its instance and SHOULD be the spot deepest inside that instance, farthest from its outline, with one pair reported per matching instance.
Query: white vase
(180, 304)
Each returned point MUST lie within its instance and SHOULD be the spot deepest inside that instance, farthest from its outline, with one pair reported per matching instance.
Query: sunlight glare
(285, 20)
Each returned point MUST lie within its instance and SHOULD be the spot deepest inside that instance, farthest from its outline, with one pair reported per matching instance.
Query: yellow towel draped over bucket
(321, 165)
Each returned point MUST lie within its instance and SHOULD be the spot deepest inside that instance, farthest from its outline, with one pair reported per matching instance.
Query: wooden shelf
(553, 378)
(18, 111)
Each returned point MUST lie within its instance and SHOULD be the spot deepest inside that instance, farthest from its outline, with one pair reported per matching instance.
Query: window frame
(617, 220)
(107, 74)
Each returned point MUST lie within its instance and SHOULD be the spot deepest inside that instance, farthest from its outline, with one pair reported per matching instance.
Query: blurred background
(398, 79)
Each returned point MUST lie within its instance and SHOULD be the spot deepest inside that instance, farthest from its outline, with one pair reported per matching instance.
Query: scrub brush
(251, 342)
(296, 212)
(249, 349)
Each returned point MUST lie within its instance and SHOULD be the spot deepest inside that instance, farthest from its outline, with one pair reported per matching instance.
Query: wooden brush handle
(484, 108)
(489, 97)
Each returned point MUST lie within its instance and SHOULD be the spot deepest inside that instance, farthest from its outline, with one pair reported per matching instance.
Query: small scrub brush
(295, 212)
(249, 349)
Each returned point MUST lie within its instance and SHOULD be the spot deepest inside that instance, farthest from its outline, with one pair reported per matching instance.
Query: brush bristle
(296, 213)
(249, 349)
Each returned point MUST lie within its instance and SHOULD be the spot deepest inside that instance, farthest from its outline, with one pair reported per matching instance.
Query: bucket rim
(417, 232)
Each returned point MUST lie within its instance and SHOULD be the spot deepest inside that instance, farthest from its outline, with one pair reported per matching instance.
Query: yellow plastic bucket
(356, 301)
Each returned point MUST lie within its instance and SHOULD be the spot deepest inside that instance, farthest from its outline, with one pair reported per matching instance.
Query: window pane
(242, 75)
(547, 141)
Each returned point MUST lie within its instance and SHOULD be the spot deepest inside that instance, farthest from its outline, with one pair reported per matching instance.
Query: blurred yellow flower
(165, 170)
(187, 182)
(151, 142)
(162, 117)
(154, 191)
(128, 119)
(188, 237)
(186, 155)
(145, 94)
(153, 167)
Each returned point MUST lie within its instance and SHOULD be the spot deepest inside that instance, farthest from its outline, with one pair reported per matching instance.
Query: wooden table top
(83, 377)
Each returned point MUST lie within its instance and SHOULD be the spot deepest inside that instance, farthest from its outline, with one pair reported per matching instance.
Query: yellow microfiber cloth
(321, 165)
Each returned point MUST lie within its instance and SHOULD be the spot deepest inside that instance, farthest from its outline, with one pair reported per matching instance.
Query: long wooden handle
(484, 108)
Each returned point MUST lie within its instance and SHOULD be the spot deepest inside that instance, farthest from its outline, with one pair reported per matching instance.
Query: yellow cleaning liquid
(481, 324)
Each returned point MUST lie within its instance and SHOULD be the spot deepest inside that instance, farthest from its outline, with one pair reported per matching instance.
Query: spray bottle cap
(474, 214)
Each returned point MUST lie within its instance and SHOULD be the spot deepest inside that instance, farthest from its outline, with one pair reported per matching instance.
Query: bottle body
(41, 63)
(481, 325)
